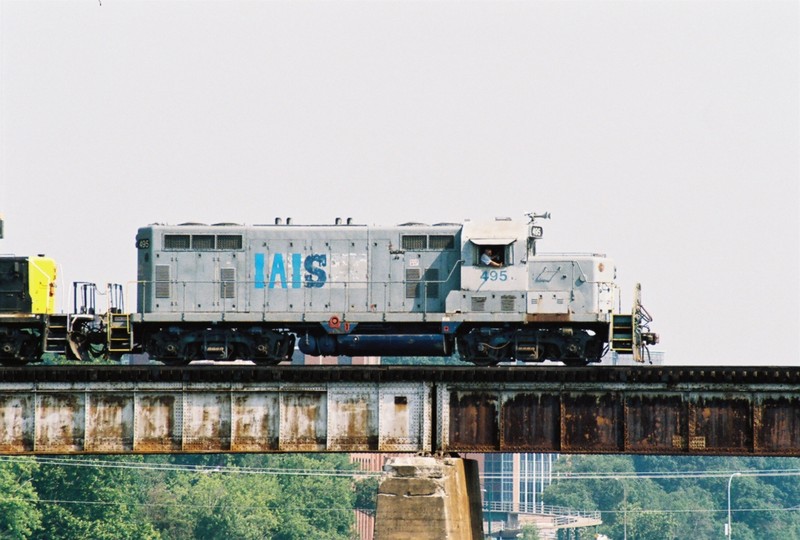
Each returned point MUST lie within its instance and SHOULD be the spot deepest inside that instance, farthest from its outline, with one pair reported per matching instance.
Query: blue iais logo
(313, 265)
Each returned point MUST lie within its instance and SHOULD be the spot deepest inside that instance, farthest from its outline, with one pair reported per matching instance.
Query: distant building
(515, 482)
(335, 360)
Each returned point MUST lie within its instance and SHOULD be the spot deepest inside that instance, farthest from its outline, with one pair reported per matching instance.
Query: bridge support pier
(428, 498)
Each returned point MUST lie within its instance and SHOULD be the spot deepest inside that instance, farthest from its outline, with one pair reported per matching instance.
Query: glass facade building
(515, 482)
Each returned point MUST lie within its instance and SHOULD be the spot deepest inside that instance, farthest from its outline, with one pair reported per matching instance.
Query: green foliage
(102, 502)
(682, 507)
(221, 499)
(111, 500)
(19, 514)
(366, 494)
(530, 532)
(314, 507)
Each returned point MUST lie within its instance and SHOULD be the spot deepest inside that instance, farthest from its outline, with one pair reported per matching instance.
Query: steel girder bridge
(414, 409)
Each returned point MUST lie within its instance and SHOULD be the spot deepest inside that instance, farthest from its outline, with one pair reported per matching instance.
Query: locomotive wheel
(482, 353)
(84, 351)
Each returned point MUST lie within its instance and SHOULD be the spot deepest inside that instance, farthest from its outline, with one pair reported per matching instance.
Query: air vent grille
(508, 303)
(229, 241)
(162, 281)
(227, 285)
(176, 241)
(478, 303)
(442, 242)
(203, 241)
(413, 276)
(414, 242)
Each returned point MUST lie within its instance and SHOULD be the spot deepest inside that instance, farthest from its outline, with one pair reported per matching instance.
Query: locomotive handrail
(437, 281)
(179, 289)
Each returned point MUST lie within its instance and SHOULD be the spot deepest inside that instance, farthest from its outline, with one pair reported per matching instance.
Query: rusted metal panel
(721, 424)
(353, 419)
(303, 422)
(109, 423)
(255, 423)
(158, 423)
(206, 422)
(662, 411)
(777, 424)
(60, 423)
(591, 422)
(16, 423)
(530, 422)
(656, 423)
(403, 410)
(474, 421)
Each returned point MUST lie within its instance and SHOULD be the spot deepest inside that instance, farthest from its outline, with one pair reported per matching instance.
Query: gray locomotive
(229, 291)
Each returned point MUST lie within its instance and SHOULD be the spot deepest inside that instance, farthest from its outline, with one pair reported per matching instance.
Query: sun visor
(492, 241)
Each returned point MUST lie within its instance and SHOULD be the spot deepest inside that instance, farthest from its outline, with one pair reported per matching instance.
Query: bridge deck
(145, 409)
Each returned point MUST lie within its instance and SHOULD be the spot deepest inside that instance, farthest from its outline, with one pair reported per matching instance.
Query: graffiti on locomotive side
(291, 270)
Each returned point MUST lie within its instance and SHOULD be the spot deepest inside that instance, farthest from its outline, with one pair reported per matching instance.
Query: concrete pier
(428, 498)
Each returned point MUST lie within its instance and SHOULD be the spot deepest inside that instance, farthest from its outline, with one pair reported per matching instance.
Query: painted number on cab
(494, 275)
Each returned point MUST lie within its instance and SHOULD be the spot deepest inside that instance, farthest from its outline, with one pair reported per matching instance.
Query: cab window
(496, 253)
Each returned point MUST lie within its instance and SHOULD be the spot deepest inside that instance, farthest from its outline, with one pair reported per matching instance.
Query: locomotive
(477, 288)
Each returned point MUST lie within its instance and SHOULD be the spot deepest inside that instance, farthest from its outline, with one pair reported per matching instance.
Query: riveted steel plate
(656, 423)
(530, 422)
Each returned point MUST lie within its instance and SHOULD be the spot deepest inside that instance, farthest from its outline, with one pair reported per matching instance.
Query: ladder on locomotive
(55, 340)
(118, 325)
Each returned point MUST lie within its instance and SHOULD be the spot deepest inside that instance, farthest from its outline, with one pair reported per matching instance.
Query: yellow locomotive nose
(42, 284)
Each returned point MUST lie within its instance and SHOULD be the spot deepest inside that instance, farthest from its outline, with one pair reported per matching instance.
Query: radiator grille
(442, 242)
(176, 241)
(229, 241)
(508, 303)
(162, 281)
(203, 241)
(414, 242)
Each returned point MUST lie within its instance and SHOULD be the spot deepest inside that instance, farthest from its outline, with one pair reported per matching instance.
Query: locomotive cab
(515, 304)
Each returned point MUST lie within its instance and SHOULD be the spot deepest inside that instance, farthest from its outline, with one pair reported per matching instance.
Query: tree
(102, 502)
(530, 532)
(19, 515)
(314, 506)
(366, 494)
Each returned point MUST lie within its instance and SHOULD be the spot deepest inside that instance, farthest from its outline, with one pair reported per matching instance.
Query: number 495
(494, 275)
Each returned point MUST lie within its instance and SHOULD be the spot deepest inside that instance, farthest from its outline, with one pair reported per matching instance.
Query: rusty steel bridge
(414, 409)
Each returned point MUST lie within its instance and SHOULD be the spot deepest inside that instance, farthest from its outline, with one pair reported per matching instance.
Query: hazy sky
(664, 134)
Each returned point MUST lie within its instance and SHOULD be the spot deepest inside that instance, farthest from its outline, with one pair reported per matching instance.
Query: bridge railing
(568, 515)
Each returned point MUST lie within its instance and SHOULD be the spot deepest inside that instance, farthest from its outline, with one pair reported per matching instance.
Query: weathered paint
(303, 421)
(255, 422)
(581, 412)
(157, 423)
(62, 427)
(531, 421)
(16, 423)
(110, 423)
(656, 424)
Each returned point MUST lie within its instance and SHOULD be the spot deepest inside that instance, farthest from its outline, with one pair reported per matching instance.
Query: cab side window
(490, 255)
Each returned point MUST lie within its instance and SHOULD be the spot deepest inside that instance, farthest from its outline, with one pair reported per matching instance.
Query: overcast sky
(664, 134)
